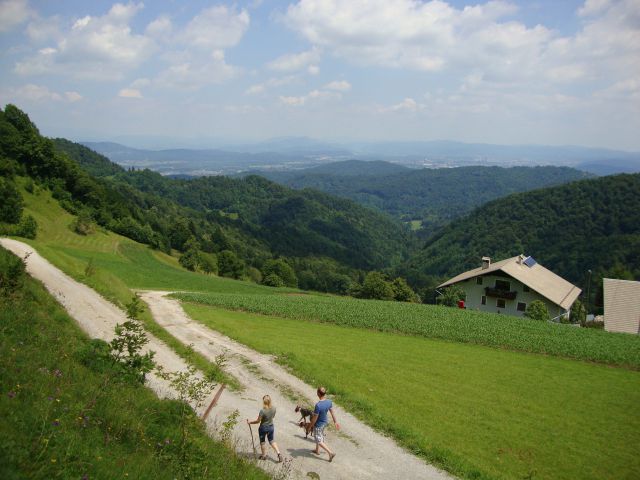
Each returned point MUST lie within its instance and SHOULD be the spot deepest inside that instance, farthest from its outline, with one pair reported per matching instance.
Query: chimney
(486, 261)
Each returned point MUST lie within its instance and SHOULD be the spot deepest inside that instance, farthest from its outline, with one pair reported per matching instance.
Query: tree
(451, 296)
(578, 313)
(229, 265)
(209, 263)
(273, 280)
(375, 286)
(402, 292)
(190, 259)
(282, 269)
(28, 227)
(11, 203)
(537, 310)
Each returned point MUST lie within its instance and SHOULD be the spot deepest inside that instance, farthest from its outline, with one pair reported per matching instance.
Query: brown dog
(306, 426)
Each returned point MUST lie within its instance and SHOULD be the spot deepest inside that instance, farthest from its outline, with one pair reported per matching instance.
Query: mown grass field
(59, 420)
(440, 322)
(479, 412)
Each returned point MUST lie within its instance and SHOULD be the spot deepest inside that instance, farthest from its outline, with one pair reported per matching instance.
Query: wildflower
(57, 373)
(56, 422)
(85, 477)
(53, 460)
(167, 441)
(11, 394)
(50, 398)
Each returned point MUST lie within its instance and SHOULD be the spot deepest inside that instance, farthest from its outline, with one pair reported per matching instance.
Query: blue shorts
(266, 432)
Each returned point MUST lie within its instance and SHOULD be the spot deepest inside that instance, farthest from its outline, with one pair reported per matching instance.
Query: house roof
(536, 277)
(621, 305)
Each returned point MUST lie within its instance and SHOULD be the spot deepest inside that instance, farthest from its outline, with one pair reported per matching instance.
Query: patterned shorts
(318, 433)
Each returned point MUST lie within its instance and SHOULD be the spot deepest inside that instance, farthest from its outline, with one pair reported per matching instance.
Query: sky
(200, 73)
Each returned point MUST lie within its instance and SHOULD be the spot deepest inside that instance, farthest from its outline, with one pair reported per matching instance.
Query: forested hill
(433, 196)
(588, 225)
(252, 218)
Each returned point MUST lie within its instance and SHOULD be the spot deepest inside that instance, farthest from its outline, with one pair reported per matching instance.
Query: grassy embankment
(58, 420)
(479, 412)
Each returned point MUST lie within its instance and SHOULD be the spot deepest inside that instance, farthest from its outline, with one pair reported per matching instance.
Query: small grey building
(508, 286)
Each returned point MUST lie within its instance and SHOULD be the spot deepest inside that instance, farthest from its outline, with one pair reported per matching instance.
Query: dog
(306, 426)
(304, 412)
(305, 419)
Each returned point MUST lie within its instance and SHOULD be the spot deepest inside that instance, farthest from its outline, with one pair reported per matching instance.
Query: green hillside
(233, 227)
(433, 196)
(588, 225)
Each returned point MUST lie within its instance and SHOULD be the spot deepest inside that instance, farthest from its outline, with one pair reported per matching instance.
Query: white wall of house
(475, 292)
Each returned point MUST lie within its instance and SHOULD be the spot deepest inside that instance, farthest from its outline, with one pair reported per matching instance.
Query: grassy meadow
(67, 415)
(479, 412)
(476, 410)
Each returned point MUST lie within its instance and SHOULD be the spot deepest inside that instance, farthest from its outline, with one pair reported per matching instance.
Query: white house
(621, 305)
(508, 286)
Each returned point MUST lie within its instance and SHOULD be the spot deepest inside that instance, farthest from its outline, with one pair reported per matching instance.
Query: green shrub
(537, 310)
(273, 280)
(12, 272)
(451, 296)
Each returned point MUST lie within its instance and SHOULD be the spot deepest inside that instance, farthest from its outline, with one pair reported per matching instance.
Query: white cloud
(13, 13)
(255, 89)
(338, 85)
(295, 61)
(130, 93)
(407, 105)
(72, 96)
(100, 48)
(38, 94)
(216, 28)
(313, 70)
(314, 96)
(161, 27)
(196, 74)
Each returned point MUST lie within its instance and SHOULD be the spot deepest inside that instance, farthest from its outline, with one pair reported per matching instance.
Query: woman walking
(266, 430)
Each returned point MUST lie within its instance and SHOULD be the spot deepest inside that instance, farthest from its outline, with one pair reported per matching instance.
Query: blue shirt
(322, 407)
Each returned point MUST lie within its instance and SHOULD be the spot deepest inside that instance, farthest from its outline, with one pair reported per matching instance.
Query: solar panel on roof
(529, 262)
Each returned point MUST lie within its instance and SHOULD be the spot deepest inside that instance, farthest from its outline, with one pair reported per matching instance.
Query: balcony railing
(495, 292)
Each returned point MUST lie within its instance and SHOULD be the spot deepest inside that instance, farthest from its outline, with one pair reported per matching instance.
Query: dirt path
(361, 452)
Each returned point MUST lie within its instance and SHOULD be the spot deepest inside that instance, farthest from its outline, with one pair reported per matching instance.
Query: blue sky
(201, 73)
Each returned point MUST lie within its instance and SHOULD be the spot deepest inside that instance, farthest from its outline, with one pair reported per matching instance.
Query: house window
(500, 303)
(503, 285)
(522, 306)
(478, 280)
(525, 288)
(483, 300)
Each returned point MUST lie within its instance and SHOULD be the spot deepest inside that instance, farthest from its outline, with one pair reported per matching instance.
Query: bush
(273, 280)
(12, 272)
(282, 269)
(376, 287)
(11, 203)
(27, 228)
(451, 296)
(83, 224)
(229, 265)
(578, 313)
(537, 310)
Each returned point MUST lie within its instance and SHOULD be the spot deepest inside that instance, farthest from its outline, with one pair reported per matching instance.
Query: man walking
(319, 421)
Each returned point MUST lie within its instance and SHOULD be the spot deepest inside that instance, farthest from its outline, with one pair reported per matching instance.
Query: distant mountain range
(291, 153)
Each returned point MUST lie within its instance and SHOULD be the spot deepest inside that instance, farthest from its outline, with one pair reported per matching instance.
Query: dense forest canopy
(433, 196)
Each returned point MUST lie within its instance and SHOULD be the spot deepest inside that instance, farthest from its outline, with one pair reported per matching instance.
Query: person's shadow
(301, 452)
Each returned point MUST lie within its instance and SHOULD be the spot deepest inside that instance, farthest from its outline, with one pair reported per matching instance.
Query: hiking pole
(255, 454)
